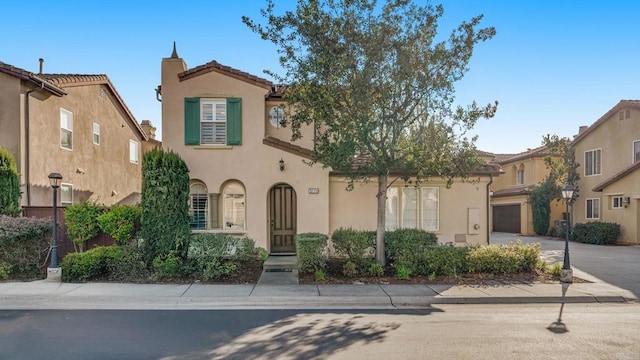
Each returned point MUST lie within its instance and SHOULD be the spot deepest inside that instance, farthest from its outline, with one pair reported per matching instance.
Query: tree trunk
(382, 202)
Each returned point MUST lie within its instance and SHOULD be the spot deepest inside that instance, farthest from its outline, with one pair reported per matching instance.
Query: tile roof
(520, 190)
(624, 172)
(288, 147)
(25, 75)
(216, 66)
(536, 152)
(620, 105)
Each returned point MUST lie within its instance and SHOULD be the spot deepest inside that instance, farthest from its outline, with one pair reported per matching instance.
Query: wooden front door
(282, 217)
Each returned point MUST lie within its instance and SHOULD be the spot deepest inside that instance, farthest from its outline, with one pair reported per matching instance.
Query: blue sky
(553, 65)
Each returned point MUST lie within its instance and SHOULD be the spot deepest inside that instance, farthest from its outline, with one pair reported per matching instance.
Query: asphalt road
(617, 265)
(585, 331)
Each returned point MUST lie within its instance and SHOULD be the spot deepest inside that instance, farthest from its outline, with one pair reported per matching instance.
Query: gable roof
(634, 104)
(624, 172)
(226, 70)
(536, 152)
(73, 80)
(31, 77)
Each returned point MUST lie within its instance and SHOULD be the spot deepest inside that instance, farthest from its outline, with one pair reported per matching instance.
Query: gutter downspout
(27, 165)
(489, 206)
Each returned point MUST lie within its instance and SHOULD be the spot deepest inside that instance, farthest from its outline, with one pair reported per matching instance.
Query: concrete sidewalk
(52, 295)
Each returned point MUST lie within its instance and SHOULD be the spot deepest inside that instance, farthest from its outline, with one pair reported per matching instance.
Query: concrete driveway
(617, 265)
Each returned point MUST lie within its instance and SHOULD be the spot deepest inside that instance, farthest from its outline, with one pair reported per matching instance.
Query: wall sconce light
(281, 163)
(114, 193)
(626, 200)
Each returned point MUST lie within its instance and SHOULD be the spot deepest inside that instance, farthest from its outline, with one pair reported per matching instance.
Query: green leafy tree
(82, 223)
(9, 185)
(377, 85)
(164, 224)
(121, 222)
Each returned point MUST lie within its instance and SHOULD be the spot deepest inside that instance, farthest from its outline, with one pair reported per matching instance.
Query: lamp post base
(566, 276)
(54, 274)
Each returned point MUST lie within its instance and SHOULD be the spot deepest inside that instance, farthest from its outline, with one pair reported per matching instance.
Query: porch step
(280, 263)
(273, 277)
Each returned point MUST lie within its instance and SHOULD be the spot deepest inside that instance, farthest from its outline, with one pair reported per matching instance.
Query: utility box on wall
(474, 221)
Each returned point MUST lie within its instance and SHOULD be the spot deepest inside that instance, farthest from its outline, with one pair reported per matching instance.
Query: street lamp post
(566, 274)
(54, 180)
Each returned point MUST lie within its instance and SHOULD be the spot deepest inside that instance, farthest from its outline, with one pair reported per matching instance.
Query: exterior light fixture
(566, 274)
(281, 163)
(54, 180)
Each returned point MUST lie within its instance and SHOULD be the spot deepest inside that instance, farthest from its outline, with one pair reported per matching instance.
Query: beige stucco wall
(284, 133)
(95, 171)
(615, 139)
(358, 208)
(253, 164)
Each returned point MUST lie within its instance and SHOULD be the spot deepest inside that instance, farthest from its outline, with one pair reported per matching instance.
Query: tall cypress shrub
(9, 185)
(164, 224)
(540, 198)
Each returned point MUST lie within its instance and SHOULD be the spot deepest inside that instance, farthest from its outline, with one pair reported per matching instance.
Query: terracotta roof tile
(624, 172)
(216, 66)
(536, 152)
(29, 76)
(288, 147)
(520, 190)
(65, 79)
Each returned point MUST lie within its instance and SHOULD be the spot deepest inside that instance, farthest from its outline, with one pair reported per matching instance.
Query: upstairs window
(66, 194)
(134, 153)
(213, 121)
(96, 134)
(636, 151)
(520, 175)
(66, 129)
(592, 162)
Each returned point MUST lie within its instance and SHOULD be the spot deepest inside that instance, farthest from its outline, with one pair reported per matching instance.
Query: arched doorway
(282, 219)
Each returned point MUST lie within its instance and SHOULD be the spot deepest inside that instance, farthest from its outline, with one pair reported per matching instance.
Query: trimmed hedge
(24, 247)
(311, 251)
(443, 260)
(511, 258)
(407, 247)
(598, 233)
(121, 222)
(355, 245)
(89, 265)
(82, 223)
(9, 184)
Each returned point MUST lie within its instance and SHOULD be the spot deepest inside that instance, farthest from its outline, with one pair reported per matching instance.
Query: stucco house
(75, 125)
(609, 155)
(511, 210)
(247, 177)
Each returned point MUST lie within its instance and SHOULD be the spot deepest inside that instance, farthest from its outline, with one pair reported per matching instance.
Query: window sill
(212, 147)
(220, 231)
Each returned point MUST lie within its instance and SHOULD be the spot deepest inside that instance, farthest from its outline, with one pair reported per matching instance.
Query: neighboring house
(247, 177)
(609, 155)
(511, 210)
(75, 125)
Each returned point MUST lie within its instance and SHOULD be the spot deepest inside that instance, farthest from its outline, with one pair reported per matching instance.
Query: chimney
(41, 63)
(582, 129)
(148, 129)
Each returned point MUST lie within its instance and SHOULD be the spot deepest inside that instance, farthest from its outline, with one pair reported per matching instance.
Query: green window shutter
(191, 121)
(234, 121)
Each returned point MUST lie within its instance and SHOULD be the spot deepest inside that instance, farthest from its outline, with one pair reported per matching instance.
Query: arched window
(520, 175)
(198, 206)
(233, 207)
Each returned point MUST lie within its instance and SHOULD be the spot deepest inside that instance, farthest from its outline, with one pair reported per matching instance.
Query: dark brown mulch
(334, 275)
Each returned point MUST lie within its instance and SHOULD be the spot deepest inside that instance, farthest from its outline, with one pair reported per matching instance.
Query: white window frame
(595, 168)
(422, 208)
(225, 200)
(404, 202)
(96, 133)
(217, 123)
(592, 207)
(617, 202)
(134, 145)
(635, 154)
(198, 197)
(69, 188)
(395, 208)
(66, 127)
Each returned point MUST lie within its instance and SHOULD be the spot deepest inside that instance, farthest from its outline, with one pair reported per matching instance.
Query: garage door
(506, 218)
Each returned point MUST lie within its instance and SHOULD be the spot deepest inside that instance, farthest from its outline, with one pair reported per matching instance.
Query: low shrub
(121, 222)
(443, 260)
(24, 247)
(129, 267)
(402, 272)
(407, 247)
(374, 269)
(90, 265)
(511, 258)
(170, 267)
(214, 256)
(598, 233)
(311, 251)
(349, 269)
(355, 245)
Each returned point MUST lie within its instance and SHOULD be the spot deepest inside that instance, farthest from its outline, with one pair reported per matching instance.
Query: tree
(164, 224)
(377, 86)
(563, 170)
(10, 185)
